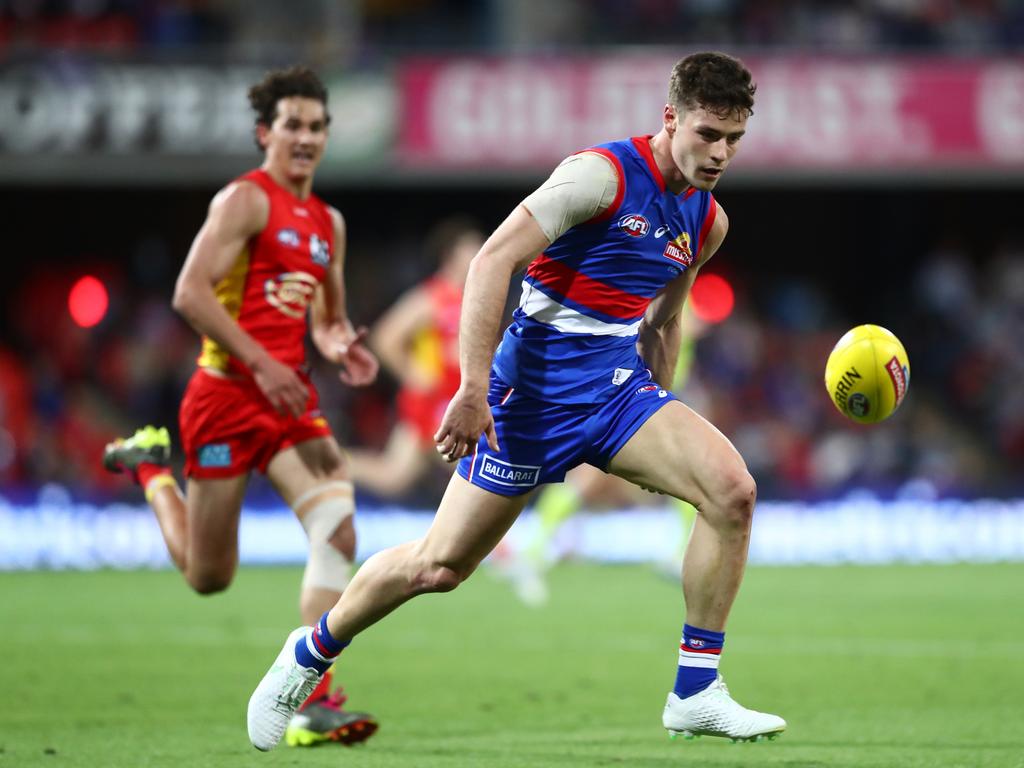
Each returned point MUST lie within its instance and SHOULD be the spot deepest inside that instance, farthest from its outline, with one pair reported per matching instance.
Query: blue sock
(699, 651)
(318, 649)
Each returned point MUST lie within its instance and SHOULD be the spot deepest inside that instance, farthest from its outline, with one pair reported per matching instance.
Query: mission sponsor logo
(215, 455)
(899, 376)
(506, 473)
(290, 292)
(634, 225)
(646, 388)
(678, 250)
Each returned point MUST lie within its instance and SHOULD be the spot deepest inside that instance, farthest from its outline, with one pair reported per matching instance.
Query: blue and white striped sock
(699, 652)
(318, 649)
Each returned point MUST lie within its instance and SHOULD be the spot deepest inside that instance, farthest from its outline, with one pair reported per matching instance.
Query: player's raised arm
(332, 331)
(393, 335)
(660, 334)
(237, 213)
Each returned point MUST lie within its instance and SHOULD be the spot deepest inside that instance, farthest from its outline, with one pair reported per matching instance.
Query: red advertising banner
(877, 115)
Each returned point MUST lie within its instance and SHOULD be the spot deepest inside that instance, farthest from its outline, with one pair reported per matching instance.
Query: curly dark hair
(715, 81)
(280, 84)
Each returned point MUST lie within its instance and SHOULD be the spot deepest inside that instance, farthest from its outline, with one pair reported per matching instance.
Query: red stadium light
(87, 301)
(712, 298)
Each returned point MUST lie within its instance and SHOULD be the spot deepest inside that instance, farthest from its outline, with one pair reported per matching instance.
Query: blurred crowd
(960, 433)
(65, 391)
(357, 29)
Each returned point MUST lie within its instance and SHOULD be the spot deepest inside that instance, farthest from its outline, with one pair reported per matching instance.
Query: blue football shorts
(541, 441)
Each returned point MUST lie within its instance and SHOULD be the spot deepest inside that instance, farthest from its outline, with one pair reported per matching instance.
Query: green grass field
(881, 667)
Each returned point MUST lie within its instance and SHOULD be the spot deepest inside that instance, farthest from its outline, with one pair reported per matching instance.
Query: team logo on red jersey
(634, 225)
(291, 293)
(679, 250)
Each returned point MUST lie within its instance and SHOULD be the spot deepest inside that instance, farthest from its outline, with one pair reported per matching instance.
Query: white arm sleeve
(581, 187)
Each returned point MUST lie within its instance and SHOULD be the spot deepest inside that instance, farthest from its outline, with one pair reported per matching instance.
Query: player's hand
(467, 417)
(359, 365)
(281, 385)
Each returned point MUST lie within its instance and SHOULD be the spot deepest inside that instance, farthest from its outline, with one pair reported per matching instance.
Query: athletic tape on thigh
(326, 508)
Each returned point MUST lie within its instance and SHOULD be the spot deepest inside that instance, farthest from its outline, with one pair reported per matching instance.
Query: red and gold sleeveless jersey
(436, 349)
(272, 282)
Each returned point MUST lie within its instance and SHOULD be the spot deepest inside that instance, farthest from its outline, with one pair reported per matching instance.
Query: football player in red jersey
(417, 341)
(269, 254)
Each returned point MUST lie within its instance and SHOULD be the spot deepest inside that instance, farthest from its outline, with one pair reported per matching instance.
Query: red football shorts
(228, 427)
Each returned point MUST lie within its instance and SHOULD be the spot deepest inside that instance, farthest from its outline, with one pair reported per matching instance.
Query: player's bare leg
(469, 523)
(168, 503)
(696, 463)
(212, 511)
(395, 470)
(308, 476)
(312, 479)
(679, 453)
(200, 529)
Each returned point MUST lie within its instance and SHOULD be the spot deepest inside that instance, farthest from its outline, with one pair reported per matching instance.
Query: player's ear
(262, 129)
(670, 119)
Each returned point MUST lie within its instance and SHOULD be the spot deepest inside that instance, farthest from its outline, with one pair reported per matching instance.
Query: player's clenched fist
(467, 417)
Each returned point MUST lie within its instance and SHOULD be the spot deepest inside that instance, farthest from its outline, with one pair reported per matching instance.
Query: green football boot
(148, 445)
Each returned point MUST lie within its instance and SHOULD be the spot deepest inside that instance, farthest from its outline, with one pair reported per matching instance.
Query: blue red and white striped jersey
(573, 336)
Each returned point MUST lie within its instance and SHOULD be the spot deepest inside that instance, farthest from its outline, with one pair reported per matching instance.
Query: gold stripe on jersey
(229, 293)
(428, 354)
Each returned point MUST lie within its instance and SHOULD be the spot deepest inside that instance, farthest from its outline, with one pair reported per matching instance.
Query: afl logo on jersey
(291, 293)
(288, 237)
(634, 225)
(679, 250)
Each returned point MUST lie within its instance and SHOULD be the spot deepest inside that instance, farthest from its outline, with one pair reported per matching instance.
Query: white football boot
(713, 712)
(281, 691)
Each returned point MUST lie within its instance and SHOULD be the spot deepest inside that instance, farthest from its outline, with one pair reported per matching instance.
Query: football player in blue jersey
(582, 375)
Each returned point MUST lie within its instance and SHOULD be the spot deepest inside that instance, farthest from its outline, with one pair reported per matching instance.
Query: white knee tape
(326, 567)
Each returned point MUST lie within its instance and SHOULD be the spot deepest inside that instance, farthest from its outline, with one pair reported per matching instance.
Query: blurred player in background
(582, 375)
(267, 252)
(417, 340)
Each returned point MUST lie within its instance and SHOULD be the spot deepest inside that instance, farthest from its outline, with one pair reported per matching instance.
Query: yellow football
(867, 374)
